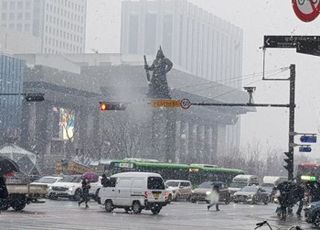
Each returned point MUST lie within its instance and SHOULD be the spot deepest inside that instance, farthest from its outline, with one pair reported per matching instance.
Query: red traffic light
(105, 106)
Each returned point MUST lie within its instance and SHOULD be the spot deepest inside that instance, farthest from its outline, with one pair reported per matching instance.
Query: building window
(12, 16)
(27, 27)
(4, 5)
(20, 5)
(20, 16)
(19, 27)
(12, 5)
(27, 16)
(4, 16)
(28, 5)
(133, 34)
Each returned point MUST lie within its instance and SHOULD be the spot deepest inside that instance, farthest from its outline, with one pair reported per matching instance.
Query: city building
(11, 82)
(195, 40)
(70, 122)
(60, 24)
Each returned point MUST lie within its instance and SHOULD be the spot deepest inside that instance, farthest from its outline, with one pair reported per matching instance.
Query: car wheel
(193, 200)
(52, 196)
(155, 210)
(136, 207)
(266, 201)
(108, 205)
(169, 198)
(316, 219)
(18, 205)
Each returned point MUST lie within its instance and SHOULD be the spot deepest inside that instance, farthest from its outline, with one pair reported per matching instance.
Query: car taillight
(145, 195)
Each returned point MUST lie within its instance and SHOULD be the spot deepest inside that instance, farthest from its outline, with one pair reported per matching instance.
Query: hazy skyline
(266, 17)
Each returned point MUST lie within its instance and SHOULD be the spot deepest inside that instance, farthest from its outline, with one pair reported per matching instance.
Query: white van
(134, 191)
(240, 181)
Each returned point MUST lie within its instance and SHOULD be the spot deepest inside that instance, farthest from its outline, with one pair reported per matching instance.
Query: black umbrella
(7, 165)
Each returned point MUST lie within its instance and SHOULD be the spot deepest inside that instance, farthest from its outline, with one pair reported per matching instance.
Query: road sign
(305, 149)
(306, 10)
(34, 97)
(308, 139)
(185, 103)
(271, 41)
(165, 103)
(309, 47)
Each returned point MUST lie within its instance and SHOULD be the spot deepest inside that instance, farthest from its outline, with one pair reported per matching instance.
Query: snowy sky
(256, 18)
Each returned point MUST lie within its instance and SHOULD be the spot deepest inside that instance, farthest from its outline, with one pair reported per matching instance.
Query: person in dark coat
(3, 188)
(85, 192)
(214, 197)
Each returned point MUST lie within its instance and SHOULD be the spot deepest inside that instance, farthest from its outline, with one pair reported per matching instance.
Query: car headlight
(208, 192)
(71, 188)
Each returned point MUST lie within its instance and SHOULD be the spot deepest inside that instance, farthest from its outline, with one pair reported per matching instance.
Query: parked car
(95, 188)
(178, 189)
(203, 191)
(68, 187)
(312, 213)
(252, 194)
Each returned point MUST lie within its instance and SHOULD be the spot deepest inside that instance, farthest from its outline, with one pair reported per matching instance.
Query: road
(178, 215)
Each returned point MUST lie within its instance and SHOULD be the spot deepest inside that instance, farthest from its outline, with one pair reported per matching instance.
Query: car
(312, 213)
(94, 189)
(178, 189)
(202, 193)
(251, 194)
(68, 187)
(47, 180)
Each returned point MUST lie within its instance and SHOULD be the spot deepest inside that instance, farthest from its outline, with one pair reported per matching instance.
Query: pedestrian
(3, 188)
(299, 194)
(105, 181)
(214, 197)
(85, 192)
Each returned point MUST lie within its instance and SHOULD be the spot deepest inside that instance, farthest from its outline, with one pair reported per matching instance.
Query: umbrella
(7, 166)
(90, 176)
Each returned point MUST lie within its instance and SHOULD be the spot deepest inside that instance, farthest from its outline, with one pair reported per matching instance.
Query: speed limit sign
(306, 10)
(185, 103)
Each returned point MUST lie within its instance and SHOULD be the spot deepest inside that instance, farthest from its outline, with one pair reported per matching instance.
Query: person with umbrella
(85, 192)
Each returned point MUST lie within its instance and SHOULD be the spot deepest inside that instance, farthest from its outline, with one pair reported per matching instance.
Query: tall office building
(195, 40)
(60, 24)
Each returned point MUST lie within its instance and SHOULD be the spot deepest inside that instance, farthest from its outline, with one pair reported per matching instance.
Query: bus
(308, 172)
(196, 173)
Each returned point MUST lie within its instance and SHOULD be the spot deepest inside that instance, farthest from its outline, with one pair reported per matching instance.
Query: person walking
(85, 192)
(214, 197)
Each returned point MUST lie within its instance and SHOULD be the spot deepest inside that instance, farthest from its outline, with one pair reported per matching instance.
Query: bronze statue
(158, 87)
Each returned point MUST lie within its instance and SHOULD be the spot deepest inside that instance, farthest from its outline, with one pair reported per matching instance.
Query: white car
(178, 189)
(47, 180)
(68, 187)
(95, 188)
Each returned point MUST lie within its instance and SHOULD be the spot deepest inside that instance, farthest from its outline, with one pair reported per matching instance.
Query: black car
(252, 194)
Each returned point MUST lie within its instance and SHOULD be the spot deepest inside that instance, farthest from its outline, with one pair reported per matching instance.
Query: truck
(23, 193)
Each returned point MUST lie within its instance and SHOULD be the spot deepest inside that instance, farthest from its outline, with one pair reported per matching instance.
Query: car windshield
(238, 184)
(47, 180)
(72, 179)
(250, 189)
(206, 185)
(172, 184)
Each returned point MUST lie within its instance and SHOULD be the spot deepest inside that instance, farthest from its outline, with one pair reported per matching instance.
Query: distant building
(60, 24)
(195, 40)
(11, 81)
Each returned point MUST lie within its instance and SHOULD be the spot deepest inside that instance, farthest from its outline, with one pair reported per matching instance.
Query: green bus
(196, 173)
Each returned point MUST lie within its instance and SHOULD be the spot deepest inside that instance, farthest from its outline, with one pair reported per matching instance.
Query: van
(134, 191)
(240, 181)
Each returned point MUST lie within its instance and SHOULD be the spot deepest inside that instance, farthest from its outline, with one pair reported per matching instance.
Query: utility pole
(292, 106)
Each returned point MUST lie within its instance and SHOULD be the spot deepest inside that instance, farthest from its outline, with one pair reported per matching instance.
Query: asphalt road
(67, 215)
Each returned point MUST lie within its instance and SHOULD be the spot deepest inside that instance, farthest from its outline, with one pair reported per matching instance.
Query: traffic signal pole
(292, 106)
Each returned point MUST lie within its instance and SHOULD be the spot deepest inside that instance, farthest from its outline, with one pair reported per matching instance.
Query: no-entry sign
(306, 10)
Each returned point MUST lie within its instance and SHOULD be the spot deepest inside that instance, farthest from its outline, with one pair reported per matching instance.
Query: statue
(158, 85)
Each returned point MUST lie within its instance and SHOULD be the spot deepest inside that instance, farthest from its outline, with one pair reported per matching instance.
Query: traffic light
(289, 161)
(105, 106)
(34, 97)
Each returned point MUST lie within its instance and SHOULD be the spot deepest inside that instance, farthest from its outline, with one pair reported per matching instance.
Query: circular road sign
(185, 103)
(306, 10)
